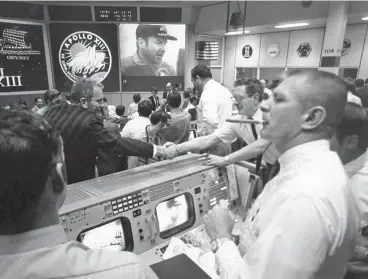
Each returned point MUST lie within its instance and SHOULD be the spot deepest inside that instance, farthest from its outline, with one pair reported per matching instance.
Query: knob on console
(141, 237)
(140, 230)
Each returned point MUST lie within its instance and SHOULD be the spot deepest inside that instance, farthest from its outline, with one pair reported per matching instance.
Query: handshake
(168, 151)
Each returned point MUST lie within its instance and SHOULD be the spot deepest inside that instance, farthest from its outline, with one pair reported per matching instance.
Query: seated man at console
(304, 223)
(248, 95)
(33, 188)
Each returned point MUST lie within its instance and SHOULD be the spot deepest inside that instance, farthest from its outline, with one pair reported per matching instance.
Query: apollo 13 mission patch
(85, 54)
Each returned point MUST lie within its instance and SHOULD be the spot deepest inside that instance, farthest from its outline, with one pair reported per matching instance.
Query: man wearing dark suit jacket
(155, 100)
(167, 91)
(82, 129)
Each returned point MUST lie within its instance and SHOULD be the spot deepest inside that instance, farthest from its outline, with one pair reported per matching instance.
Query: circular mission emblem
(85, 54)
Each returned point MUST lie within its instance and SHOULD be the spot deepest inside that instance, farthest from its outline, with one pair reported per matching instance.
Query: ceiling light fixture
(365, 18)
(290, 25)
(232, 33)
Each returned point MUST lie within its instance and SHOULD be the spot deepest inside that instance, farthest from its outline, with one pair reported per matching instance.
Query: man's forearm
(197, 144)
(250, 151)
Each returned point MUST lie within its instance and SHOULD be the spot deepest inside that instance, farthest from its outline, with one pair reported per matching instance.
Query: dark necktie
(259, 158)
(274, 170)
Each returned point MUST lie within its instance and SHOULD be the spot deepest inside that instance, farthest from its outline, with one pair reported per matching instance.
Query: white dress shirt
(214, 107)
(354, 99)
(229, 132)
(46, 253)
(302, 226)
(136, 128)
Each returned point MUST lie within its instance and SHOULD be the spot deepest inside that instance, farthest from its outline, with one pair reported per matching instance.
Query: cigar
(248, 121)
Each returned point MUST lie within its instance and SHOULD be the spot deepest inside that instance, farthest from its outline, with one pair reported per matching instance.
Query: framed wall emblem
(247, 51)
(304, 50)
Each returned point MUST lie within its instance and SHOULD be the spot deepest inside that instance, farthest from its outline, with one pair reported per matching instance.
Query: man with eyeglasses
(247, 96)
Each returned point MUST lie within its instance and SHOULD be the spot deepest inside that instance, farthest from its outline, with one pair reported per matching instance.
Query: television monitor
(113, 236)
(175, 215)
(151, 55)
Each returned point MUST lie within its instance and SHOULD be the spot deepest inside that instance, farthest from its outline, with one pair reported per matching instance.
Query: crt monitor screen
(172, 213)
(108, 237)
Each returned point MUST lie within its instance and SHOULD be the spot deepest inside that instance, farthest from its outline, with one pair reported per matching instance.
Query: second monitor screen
(172, 213)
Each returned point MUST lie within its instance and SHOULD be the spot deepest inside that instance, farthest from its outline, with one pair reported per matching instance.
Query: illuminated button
(140, 203)
(115, 212)
(126, 208)
(136, 204)
(121, 210)
(113, 202)
(120, 205)
(135, 200)
(125, 203)
(140, 198)
(124, 199)
(115, 207)
(129, 197)
(134, 196)
(130, 206)
(130, 202)
(119, 200)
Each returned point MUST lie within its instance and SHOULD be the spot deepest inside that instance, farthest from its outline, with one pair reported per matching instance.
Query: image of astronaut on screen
(172, 213)
(108, 237)
(152, 50)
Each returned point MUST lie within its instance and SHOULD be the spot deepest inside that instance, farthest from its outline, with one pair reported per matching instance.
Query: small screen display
(108, 237)
(172, 213)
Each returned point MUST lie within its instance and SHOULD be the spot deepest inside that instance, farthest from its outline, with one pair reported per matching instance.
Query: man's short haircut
(29, 149)
(145, 108)
(253, 86)
(83, 88)
(354, 122)
(136, 98)
(359, 82)
(174, 99)
(36, 99)
(120, 110)
(186, 94)
(50, 95)
(366, 81)
(154, 89)
(159, 116)
(323, 89)
(201, 71)
(350, 87)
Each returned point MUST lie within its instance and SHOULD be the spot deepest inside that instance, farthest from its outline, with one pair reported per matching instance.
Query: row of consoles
(140, 210)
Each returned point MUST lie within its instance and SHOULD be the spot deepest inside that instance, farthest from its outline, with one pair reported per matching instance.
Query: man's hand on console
(219, 222)
(213, 160)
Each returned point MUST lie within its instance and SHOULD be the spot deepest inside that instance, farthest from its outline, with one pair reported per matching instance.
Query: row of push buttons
(126, 203)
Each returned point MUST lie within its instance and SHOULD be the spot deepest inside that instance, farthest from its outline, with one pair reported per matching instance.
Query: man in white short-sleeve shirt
(304, 223)
(247, 94)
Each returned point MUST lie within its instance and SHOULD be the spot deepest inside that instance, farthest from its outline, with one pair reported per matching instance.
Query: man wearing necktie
(154, 99)
(248, 95)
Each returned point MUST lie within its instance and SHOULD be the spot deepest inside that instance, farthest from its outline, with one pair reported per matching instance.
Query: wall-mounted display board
(247, 51)
(22, 58)
(70, 13)
(89, 50)
(305, 47)
(151, 55)
(353, 45)
(274, 48)
(21, 10)
(109, 13)
(150, 14)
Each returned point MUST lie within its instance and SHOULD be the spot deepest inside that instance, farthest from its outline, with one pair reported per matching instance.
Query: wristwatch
(216, 244)
(227, 159)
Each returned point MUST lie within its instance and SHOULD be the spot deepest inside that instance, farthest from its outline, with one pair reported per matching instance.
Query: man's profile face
(243, 102)
(153, 49)
(97, 103)
(282, 112)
